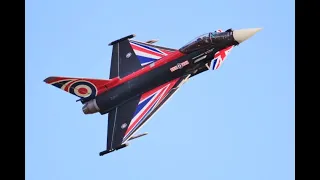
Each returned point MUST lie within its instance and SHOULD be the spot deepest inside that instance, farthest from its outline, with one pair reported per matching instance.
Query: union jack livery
(219, 57)
(148, 101)
(148, 54)
(143, 77)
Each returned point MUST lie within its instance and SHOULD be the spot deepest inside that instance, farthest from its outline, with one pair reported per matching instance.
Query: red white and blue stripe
(147, 53)
(148, 102)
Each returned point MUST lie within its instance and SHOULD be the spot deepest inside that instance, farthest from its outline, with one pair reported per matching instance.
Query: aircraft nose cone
(244, 34)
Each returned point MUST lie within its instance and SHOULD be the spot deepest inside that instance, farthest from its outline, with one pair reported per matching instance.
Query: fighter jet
(143, 76)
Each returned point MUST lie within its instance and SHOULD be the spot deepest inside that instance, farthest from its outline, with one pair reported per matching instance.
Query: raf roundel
(179, 66)
(83, 89)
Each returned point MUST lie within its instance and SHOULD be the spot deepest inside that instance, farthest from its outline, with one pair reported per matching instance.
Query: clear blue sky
(236, 123)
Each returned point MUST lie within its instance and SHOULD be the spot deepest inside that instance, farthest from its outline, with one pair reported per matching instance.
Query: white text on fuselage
(179, 66)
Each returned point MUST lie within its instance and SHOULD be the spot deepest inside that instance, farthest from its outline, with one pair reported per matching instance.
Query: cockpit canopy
(203, 41)
(198, 43)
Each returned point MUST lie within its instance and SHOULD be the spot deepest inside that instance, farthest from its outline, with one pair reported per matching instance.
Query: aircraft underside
(143, 77)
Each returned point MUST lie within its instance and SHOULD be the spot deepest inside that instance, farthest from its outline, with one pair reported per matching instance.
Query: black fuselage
(151, 79)
(197, 58)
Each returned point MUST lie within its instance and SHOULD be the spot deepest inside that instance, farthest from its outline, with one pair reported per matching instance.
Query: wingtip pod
(122, 39)
(242, 35)
(116, 149)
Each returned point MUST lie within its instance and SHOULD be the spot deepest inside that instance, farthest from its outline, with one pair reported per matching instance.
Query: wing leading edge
(128, 118)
